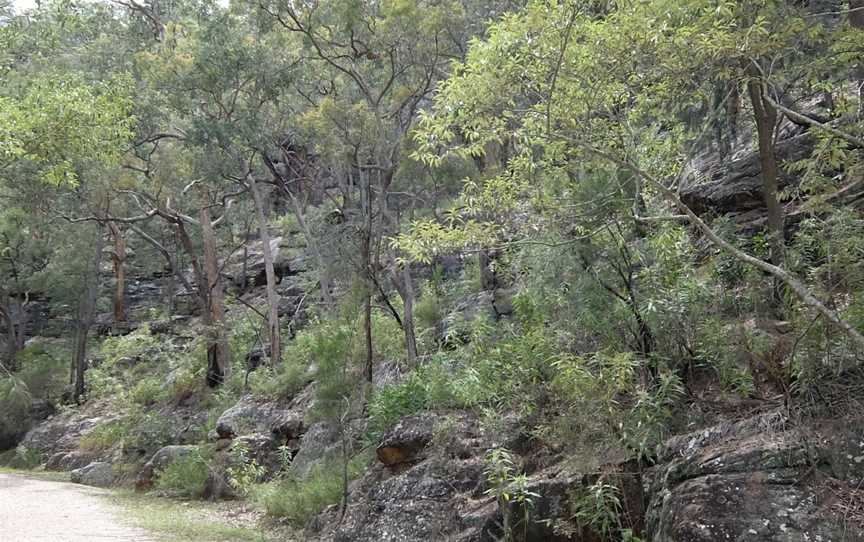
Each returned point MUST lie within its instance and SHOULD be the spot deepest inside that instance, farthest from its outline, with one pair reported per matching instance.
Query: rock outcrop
(759, 479)
(97, 474)
(735, 187)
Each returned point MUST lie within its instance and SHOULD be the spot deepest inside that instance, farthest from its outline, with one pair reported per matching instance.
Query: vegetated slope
(607, 286)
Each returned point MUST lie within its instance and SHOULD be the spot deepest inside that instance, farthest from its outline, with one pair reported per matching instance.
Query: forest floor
(48, 509)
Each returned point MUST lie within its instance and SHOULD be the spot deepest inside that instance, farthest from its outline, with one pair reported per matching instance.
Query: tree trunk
(86, 313)
(856, 19)
(119, 259)
(11, 337)
(272, 294)
(218, 354)
(366, 248)
(795, 286)
(312, 243)
(406, 291)
(765, 116)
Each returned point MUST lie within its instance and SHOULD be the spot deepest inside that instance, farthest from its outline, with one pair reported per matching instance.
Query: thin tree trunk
(406, 292)
(856, 20)
(366, 248)
(272, 294)
(86, 313)
(119, 259)
(765, 116)
(218, 354)
(312, 243)
(11, 336)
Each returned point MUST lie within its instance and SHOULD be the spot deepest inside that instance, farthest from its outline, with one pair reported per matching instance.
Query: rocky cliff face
(762, 476)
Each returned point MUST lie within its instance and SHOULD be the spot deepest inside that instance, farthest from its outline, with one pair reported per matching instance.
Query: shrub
(24, 458)
(103, 437)
(43, 369)
(300, 499)
(146, 392)
(246, 472)
(15, 401)
(140, 344)
(186, 476)
(599, 508)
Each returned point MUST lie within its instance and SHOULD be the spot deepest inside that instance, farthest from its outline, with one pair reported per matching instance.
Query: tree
(612, 96)
(364, 94)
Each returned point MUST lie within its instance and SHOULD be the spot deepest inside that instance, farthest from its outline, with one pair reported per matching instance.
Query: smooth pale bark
(270, 273)
(218, 353)
(86, 313)
(118, 257)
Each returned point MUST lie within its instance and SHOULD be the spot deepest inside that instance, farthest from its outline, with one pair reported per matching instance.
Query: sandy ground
(42, 511)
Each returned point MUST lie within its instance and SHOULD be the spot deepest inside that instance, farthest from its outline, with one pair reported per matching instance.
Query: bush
(187, 476)
(299, 500)
(147, 392)
(103, 437)
(43, 369)
(15, 401)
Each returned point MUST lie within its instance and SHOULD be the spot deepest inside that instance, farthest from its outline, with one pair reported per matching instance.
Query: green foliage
(186, 476)
(105, 436)
(510, 489)
(43, 369)
(15, 401)
(330, 345)
(246, 334)
(147, 391)
(598, 507)
(604, 404)
(300, 499)
(246, 472)
(56, 121)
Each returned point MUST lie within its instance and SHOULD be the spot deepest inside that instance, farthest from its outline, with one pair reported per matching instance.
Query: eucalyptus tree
(369, 69)
(60, 126)
(600, 106)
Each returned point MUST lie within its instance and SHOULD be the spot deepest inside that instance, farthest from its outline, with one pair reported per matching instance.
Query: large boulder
(407, 440)
(417, 493)
(67, 461)
(97, 474)
(735, 186)
(11, 434)
(318, 443)
(60, 433)
(250, 415)
(743, 481)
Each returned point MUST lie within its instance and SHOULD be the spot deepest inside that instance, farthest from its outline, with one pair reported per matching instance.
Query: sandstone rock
(11, 435)
(741, 481)
(317, 444)
(406, 441)
(60, 433)
(66, 461)
(433, 496)
(248, 416)
(97, 474)
(735, 186)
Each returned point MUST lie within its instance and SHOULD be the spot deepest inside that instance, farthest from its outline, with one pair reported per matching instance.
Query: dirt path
(42, 511)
